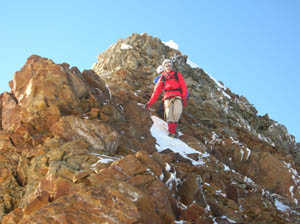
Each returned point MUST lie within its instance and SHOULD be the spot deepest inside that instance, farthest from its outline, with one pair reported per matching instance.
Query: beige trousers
(173, 109)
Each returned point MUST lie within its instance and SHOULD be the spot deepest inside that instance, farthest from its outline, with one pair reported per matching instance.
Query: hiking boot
(173, 135)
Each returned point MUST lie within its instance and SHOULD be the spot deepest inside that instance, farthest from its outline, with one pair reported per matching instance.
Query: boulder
(42, 92)
(97, 134)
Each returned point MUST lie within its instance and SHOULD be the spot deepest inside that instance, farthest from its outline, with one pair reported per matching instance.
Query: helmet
(160, 69)
(167, 61)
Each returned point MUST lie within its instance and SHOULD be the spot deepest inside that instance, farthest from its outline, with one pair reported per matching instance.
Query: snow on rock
(180, 222)
(173, 178)
(215, 138)
(280, 206)
(125, 47)
(192, 64)
(242, 153)
(159, 131)
(226, 168)
(168, 167)
(220, 87)
(162, 176)
(268, 140)
(243, 149)
(249, 153)
(230, 220)
(104, 159)
(171, 44)
(219, 192)
(296, 180)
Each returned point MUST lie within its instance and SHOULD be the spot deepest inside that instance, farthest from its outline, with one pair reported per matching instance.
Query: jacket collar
(168, 73)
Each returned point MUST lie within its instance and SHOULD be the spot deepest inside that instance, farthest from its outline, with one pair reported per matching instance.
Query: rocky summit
(79, 147)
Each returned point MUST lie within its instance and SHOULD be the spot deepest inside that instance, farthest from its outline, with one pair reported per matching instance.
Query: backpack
(155, 80)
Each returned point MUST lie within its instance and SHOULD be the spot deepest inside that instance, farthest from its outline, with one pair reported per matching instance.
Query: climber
(175, 95)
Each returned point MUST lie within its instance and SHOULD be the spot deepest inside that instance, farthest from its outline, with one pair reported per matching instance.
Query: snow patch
(220, 87)
(173, 178)
(249, 153)
(243, 149)
(281, 207)
(292, 194)
(214, 138)
(107, 87)
(150, 171)
(228, 219)
(168, 167)
(296, 179)
(159, 131)
(295, 175)
(242, 154)
(192, 64)
(235, 141)
(126, 47)
(249, 180)
(104, 159)
(171, 44)
(226, 168)
(181, 205)
(268, 140)
(218, 83)
(219, 192)
(180, 222)
(162, 176)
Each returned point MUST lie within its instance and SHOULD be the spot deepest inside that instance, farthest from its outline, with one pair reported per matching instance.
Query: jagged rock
(8, 111)
(98, 135)
(77, 147)
(13, 217)
(10, 187)
(42, 92)
(297, 158)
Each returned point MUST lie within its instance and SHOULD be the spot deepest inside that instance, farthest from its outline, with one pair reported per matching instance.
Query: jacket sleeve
(182, 85)
(157, 91)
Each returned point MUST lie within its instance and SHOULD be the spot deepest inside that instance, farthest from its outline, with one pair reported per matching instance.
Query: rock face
(78, 147)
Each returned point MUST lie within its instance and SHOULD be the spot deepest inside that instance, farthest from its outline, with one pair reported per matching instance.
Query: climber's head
(168, 65)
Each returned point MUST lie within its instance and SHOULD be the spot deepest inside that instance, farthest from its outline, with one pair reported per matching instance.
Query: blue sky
(252, 46)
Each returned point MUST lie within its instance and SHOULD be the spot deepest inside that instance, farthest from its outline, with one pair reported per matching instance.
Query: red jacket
(171, 86)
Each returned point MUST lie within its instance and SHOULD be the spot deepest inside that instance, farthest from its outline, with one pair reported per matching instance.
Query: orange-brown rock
(37, 203)
(42, 91)
(97, 134)
(78, 147)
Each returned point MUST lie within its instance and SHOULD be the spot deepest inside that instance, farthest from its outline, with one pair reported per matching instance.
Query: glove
(147, 106)
(184, 102)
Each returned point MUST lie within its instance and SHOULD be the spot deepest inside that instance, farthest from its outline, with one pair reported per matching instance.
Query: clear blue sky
(252, 46)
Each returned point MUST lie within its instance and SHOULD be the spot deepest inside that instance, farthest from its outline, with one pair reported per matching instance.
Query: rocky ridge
(78, 147)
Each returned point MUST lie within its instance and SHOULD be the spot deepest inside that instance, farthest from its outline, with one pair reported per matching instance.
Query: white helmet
(160, 69)
(167, 61)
